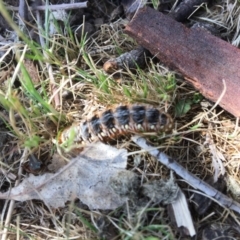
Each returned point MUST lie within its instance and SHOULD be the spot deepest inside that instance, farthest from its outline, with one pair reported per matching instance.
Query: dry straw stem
(187, 176)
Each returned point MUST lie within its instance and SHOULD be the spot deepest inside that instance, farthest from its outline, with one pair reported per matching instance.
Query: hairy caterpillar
(119, 121)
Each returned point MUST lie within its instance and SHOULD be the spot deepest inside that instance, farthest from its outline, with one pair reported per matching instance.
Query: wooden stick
(187, 176)
(53, 7)
(203, 59)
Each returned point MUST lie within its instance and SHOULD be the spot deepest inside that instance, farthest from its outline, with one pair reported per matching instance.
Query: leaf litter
(86, 177)
(223, 17)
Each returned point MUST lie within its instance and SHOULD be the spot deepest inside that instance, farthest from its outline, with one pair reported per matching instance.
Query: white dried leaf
(85, 177)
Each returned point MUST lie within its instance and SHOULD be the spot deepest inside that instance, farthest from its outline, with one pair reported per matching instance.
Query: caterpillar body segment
(120, 121)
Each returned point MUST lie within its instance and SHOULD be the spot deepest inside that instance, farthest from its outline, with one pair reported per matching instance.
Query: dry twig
(55, 7)
(194, 181)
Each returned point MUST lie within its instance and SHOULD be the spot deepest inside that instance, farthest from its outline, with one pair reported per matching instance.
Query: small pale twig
(12, 202)
(53, 7)
(187, 176)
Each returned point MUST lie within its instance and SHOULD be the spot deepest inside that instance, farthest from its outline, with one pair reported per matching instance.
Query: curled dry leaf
(85, 177)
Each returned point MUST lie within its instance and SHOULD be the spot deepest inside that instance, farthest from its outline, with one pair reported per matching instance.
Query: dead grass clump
(225, 16)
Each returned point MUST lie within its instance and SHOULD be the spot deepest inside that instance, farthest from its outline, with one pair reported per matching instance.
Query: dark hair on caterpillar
(120, 121)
